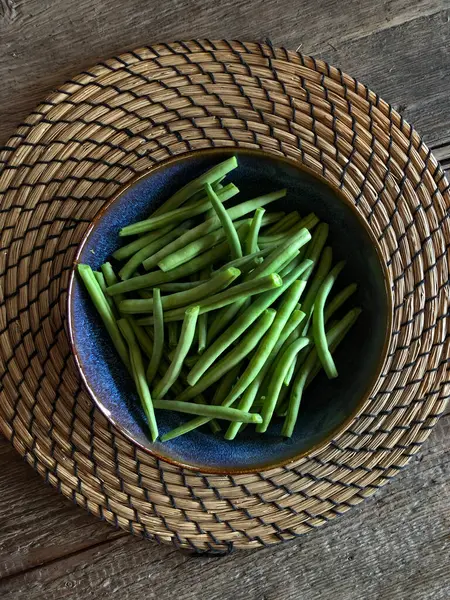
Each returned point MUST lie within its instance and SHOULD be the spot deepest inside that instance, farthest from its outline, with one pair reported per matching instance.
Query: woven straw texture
(113, 122)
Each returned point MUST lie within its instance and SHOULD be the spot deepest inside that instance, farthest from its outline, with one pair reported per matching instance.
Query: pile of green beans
(219, 307)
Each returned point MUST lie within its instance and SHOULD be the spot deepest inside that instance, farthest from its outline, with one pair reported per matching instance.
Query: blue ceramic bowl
(328, 406)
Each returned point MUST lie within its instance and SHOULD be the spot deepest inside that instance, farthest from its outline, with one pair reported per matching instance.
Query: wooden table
(397, 545)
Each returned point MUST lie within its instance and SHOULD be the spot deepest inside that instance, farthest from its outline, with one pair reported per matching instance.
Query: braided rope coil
(110, 123)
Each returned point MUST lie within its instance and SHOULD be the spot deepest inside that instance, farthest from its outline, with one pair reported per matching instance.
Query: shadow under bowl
(328, 406)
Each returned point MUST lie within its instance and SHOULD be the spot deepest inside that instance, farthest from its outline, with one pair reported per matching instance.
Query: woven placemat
(112, 122)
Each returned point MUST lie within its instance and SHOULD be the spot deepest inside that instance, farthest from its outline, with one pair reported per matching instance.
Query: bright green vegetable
(315, 248)
(235, 213)
(142, 337)
(243, 322)
(111, 279)
(213, 175)
(225, 385)
(251, 243)
(239, 352)
(217, 412)
(201, 244)
(179, 286)
(158, 336)
(323, 269)
(285, 223)
(276, 260)
(226, 222)
(157, 277)
(242, 290)
(104, 310)
(183, 347)
(282, 254)
(250, 394)
(202, 323)
(144, 240)
(102, 283)
(319, 334)
(138, 372)
(305, 370)
(281, 369)
(143, 253)
(176, 215)
(267, 344)
(339, 300)
(205, 290)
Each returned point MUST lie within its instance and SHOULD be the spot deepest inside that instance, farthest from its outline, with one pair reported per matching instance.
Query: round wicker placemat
(114, 121)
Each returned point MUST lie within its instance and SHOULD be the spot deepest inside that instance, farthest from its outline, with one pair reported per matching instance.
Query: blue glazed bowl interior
(327, 405)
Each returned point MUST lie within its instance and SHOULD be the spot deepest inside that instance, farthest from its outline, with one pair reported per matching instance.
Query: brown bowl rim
(338, 430)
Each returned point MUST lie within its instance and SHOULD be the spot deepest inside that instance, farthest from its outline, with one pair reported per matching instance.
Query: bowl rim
(339, 429)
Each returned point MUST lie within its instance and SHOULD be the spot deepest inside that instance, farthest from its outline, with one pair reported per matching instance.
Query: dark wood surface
(397, 545)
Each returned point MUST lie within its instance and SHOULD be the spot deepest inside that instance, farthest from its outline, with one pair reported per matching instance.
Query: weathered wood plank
(32, 518)
(394, 547)
(399, 47)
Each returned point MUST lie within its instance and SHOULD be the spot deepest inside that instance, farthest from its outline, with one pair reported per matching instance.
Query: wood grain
(399, 47)
(395, 546)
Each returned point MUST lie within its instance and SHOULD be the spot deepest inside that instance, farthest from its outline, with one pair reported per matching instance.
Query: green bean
(281, 369)
(267, 344)
(104, 311)
(102, 283)
(323, 269)
(216, 186)
(242, 290)
(158, 336)
(137, 369)
(284, 223)
(172, 329)
(198, 246)
(281, 408)
(226, 222)
(223, 317)
(318, 240)
(291, 370)
(249, 396)
(143, 240)
(335, 337)
(157, 277)
(339, 300)
(280, 255)
(191, 360)
(187, 191)
(239, 352)
(225, 385)
(251, 242)
(111, 279)
(244, 260)
(195, 248)
(318, 326)
(180, 286)
(303, 373)
(243, 322)
(217, 412)
(142, 337)
(203, 319)
(307, 222)
(176, 215)
(205, 290)
(138, 258)
(183, 347)
(235, 213)
(274, 260)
